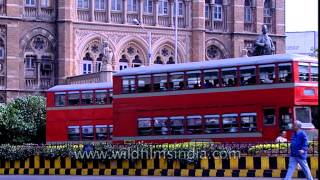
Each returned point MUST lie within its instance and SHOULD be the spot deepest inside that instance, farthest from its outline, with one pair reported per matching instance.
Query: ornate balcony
(30, 12)
(100, 16)
(218, 26)
(164, 21)
(31, 84)
(131, 17)
(83, 15)
(46, 83)
(47, 13)
(116, 17)
(148, 20)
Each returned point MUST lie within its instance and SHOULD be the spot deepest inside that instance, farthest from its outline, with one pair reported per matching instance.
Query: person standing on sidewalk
(298, 155)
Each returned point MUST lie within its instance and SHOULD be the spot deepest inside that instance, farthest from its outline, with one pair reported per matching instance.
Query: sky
(301, 15)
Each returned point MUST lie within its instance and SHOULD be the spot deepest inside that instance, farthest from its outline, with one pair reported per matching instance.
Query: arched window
(87, 64)
(170, 61)
(247, 11)
(267, 14)
(136, 61)
(218, 10)
(214, 53)
(123, 62)
(158, 60)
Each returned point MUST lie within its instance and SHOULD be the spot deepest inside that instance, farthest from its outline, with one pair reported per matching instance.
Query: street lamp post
(176, 33)
(137, 22)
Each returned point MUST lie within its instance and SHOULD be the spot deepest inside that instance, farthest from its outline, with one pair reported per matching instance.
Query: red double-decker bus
(79, 112)
(238, 99)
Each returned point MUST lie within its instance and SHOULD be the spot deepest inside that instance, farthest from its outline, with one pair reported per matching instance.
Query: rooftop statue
(264, 44)
(107, 56)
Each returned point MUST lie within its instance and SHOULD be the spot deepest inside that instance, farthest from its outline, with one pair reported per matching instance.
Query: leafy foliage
(23, 120)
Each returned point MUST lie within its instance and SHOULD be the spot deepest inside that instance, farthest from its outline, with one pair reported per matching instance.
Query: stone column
(156, 12)
(141, 12)
(212, 14)
(108, 11)
(171, 12)
(65, 43)
(125, 11)
(38, 64)
(91, 10)
(198, 33)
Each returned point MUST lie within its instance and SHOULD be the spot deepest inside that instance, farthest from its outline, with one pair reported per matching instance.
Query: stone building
(43, 42)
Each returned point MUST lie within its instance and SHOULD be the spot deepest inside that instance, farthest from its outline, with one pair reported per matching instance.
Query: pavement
(52, 177)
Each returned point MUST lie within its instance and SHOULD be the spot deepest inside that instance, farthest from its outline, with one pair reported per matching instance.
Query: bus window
(159, 82)
(128, 84)
(315, 116)
(101, 132)
(60, 99)
(285, 72)
(73, 133)
(87, 133)
(303, 114)
(267, 75)
(144, 83)
(110, 128)
(144, 126)
(110, 96)
(194, 78)
(177, 124)
(229, 77)
(73, 98)
(177, 81)
(211, 124)
(194, 124)
(101, 97)
(87, 97)
(161, 126)
(211, 78)
(229, 123)
(248, 122)
(269, 116)
(303, 71)
(285, 119)
(247, 75)
(314, 72)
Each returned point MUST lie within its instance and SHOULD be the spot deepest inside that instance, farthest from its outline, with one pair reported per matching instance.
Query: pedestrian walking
(298, 155)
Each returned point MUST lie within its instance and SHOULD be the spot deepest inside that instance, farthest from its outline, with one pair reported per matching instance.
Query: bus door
(270, 129)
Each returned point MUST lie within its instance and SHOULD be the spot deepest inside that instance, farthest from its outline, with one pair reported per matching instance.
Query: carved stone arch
(131, 49)
(140, 42)
(219, 45)
(88, 39)
(169, 42)
(25, 40)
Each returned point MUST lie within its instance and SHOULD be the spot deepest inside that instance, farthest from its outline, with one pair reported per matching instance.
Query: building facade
(43, 42)
(304, 42)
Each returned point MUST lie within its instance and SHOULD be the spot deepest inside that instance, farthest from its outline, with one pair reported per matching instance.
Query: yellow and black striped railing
(248, 166)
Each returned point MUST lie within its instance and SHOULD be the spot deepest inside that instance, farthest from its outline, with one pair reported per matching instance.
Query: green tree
(23, 120)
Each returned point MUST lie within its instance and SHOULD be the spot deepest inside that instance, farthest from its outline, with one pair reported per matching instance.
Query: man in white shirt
(282, 138)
